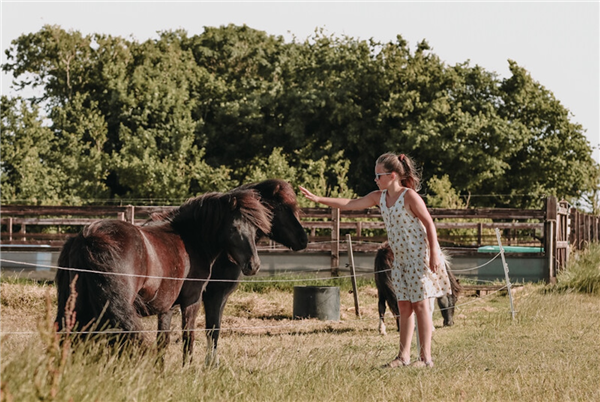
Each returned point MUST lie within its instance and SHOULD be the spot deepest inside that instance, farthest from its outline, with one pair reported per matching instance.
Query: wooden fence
(557, 228)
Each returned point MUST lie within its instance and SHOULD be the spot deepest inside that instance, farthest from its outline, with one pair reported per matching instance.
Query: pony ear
(277, 189)
(233, 203)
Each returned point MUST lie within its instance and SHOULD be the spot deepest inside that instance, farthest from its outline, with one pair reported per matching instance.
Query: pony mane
(274, 192)
(249, 202)
(204, 214)
(159, 216)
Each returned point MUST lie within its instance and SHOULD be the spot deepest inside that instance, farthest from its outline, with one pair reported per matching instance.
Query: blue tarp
(510, 249)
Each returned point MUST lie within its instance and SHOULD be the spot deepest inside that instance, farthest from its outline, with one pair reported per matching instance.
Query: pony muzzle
(249, 267)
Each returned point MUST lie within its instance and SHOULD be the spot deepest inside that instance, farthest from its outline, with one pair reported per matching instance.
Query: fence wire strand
(302, 322)
(2, 333)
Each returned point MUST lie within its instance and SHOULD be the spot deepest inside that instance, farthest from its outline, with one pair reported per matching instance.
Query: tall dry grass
(583, 274)
(548, 353)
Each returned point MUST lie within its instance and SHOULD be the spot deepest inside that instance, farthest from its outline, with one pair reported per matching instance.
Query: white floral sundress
(407, 237)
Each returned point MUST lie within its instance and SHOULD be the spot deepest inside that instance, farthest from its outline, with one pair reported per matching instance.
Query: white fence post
(505, 265)
(353, 274)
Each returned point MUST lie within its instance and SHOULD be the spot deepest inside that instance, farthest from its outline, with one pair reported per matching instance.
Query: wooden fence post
(335, 242)
(575, 228)
(574, 235)
(587, 224)
(578, 234)
(550, 239)
(10, 229)
(23, 231)
(130, 214)
(562, 236)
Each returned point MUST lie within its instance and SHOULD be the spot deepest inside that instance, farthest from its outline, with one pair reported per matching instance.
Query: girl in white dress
(418, 273)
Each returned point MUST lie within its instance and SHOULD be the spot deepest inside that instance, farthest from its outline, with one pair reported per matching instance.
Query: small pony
(279, 198)
(127, 271)
(384, 260)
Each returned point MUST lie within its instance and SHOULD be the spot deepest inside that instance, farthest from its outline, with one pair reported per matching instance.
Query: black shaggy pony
(384, 260)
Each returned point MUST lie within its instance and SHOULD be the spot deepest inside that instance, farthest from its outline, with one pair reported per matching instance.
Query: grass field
(549, 352)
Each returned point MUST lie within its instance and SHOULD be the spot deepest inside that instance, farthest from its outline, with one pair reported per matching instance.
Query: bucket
(322, 302)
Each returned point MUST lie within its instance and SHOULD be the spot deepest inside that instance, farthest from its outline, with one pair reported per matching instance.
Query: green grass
(286, 282)
(549, 352)
(583, 273)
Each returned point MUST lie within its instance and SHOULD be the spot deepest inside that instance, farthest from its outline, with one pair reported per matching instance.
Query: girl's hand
(435, 262)
(308, 194)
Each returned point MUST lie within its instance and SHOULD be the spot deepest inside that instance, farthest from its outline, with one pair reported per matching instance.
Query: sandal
(421, 363)
(397, 362)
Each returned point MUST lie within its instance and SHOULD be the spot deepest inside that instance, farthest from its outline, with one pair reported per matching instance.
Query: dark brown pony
(280, 199)
(141, 271)
(384, 260)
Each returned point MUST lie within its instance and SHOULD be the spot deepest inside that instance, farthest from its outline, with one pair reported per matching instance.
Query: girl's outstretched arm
(367, 201)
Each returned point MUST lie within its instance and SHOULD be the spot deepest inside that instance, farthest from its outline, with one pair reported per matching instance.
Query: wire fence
(233, 329)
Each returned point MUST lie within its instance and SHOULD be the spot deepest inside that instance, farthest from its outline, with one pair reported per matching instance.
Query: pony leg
(163, 337)
(214, 298)
(62, 282)
(214, 304)
(384, 260)
(381, 307)
(63, 291)
(188, 324)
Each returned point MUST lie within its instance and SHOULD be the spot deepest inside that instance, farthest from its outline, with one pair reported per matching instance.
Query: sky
(558, 43)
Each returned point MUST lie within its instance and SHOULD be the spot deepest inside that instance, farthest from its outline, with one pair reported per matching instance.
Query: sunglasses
(378, 175)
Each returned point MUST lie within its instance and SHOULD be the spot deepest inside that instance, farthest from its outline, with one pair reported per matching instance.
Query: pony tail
(412, 178)
(404, 166)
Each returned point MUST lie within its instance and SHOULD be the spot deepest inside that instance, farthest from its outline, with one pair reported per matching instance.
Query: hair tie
(402, 157)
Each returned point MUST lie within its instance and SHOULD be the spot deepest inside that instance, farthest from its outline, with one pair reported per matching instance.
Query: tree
(53, 60)
(172, 117)
(332, 91)
(555, 157)
(443, 195)
(235, 104)
(26, 142)
(157, 156)
(79, 135)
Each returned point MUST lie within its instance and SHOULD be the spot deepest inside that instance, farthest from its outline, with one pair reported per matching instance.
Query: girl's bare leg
(407, 327)
(425, 326)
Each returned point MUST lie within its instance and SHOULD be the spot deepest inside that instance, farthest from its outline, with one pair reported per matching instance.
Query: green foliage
(275, 166)
(175, 116)
(555, 157)
(444, 196)
(80, 135)
(287, 282)
(27, 153)
(326, 176)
